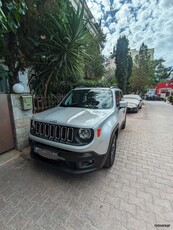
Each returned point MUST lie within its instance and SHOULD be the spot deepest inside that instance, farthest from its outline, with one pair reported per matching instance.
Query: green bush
(170, 99)
(94, 83)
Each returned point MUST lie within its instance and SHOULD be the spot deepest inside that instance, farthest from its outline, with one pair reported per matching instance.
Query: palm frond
(63, 46)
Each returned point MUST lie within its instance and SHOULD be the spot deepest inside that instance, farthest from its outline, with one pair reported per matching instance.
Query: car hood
(76, 117)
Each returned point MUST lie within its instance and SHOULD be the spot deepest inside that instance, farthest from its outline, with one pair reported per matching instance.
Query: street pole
(166, 91)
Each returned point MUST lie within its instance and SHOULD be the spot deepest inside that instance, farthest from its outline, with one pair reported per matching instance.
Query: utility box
(26, 102)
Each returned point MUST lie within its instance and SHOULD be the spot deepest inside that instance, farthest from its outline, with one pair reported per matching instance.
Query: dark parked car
(153, 98)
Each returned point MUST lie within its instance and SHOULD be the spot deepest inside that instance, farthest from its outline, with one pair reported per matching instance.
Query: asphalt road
(136, 193)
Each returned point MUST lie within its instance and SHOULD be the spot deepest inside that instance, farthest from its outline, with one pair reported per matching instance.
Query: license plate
(48, 154)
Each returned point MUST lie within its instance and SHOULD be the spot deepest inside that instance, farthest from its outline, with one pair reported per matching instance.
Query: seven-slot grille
(54, 132)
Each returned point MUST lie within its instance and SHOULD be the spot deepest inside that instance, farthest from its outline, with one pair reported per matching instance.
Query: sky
(148, 21)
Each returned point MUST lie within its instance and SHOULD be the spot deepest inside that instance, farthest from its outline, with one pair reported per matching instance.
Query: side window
(121, 96)
(117, 97)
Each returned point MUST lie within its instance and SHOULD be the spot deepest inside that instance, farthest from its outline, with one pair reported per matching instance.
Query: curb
(9, 156)
(14, 154)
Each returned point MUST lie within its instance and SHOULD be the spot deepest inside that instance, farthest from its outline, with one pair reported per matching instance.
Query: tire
(111, 152)
(124, 124)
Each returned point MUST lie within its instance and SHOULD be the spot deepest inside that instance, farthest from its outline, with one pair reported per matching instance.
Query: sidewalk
(136, 193)
(11, 155)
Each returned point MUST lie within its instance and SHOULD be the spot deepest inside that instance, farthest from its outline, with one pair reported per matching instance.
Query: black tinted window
(117, 97)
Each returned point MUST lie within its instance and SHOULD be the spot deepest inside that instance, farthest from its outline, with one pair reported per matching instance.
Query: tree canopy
(161, 71)
(94, 68)
(143, 70)
(10, 15)
(53, 40)
(61, 49)
(123, 62)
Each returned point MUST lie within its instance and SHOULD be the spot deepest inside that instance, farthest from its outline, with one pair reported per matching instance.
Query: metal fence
(41, 103)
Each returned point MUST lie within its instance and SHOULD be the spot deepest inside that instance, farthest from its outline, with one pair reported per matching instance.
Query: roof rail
(113, 86)
(79, 87)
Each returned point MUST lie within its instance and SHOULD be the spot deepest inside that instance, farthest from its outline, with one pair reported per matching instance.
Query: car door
(121, 111)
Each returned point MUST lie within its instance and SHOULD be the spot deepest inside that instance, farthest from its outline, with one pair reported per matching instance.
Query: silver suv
(80, 133)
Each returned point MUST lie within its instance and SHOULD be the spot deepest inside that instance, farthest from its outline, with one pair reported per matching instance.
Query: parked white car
(80, 133)
(134, 102)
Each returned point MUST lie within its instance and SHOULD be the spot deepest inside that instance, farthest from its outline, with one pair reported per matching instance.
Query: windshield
(132, 97)
(89, 98)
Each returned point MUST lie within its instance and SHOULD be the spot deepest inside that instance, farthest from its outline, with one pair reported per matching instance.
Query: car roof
(132, 95)
(96, 88)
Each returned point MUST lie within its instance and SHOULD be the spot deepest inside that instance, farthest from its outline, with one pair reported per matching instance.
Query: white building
(110, 62)
(135, 52)
(92, 25)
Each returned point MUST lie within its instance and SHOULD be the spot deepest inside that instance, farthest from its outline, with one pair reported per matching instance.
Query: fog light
(86, 164)
(91, 161)
(86, 155)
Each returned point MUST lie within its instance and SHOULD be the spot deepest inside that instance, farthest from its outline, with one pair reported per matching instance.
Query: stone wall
(21, 121)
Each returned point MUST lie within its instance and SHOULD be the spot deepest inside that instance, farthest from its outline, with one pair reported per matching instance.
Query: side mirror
(122, 104)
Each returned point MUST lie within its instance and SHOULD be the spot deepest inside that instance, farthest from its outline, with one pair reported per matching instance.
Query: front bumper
(73, 162)
(131, 109)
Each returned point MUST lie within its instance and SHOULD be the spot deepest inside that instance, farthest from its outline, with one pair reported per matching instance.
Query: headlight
(84, 134)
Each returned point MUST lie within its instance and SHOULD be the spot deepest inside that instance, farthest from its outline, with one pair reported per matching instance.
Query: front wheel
(111, 152)
(124, 124)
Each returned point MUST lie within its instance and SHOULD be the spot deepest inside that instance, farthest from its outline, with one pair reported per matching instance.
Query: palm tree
(61, 46)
